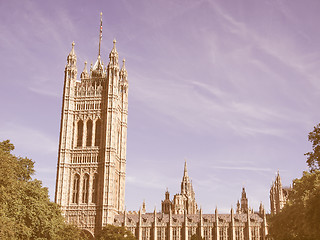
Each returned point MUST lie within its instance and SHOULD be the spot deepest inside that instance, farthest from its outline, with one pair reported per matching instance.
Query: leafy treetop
(313, 158)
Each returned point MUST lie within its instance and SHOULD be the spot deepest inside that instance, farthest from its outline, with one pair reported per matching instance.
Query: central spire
(100, 34)
(185, 174)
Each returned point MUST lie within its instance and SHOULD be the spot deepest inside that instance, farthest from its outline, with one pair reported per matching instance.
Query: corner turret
(113, 56)
(71, 66)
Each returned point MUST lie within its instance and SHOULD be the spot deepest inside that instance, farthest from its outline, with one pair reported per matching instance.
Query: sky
(232, 87)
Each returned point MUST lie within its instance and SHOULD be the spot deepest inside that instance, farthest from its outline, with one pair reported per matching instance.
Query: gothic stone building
(90, 182)
(180, 219)
(91, 168)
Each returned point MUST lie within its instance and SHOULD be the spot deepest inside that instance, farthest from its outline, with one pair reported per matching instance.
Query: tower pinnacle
(185, 169)
(114, 46)
(72, 50)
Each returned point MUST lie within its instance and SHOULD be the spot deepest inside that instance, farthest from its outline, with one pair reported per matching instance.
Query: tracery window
(85, 188)
(176, 233)
(89, 133)
(75, 190)
(255, 233)
(145, 233)
(223, 233)
(98, 133)
(206, 233)
(160, 233)
(239, 233)
(80, 133)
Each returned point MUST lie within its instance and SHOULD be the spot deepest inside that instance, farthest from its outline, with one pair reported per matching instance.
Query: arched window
(98, 133)
(85, 189)
(95, 188)
(80, 133)
(75, 190)
(89, 133)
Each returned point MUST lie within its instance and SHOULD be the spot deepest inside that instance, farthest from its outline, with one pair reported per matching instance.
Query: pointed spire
(261, 209)
(144, 206)
(185, 174)
(114, 49)
(71, 66)
(113, 56)
(123, 68)
(114, 44)
(84, 73)
(72, 53)
(244, 193)
(216, 215)
(72, 50)
(100, 33)
(85, 67)
(72, 58)
(123, 71)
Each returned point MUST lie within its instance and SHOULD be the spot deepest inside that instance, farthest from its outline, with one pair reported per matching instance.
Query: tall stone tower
(90, 184)
(278, 195)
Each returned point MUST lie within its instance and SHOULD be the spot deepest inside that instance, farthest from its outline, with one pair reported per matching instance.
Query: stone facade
(181, 221)
(161, 226)
(90, 184)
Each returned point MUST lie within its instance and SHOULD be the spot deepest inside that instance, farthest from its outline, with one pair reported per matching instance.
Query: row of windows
(88, 106)
(85, 189)
(162, 233)
(88, 139)
(88, 158)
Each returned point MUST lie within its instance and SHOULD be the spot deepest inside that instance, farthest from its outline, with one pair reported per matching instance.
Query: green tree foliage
(300, 218)
(25, 209)
(313, 158)
(196, 237)
(111, 232)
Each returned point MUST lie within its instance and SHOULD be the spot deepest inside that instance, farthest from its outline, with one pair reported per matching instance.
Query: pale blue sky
(231, 86)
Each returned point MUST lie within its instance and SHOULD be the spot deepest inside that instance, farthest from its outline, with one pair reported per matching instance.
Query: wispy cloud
(27, 139)
(256, 169)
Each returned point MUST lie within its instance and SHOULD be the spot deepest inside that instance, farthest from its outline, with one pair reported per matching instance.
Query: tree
(25, 209)
(300, 217)
(313, 159)
(111, 232)
(196, 237)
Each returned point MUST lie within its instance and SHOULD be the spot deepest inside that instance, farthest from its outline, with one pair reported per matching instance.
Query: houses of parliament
(90, 184)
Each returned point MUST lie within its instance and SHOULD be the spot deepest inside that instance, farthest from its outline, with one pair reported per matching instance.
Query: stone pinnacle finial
(123, 68)
(72, 49)
(85, 67)
(185, 168)
(114, 45)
